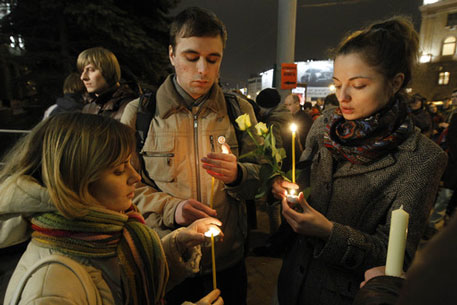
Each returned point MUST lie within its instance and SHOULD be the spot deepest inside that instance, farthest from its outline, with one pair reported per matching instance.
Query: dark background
(252, 29)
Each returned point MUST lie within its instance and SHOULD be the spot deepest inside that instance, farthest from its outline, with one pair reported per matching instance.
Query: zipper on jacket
(197, 161)
(211, 140)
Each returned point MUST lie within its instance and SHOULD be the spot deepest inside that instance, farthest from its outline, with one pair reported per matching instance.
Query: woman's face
(93, 79)
(116, 186)
(361, 90)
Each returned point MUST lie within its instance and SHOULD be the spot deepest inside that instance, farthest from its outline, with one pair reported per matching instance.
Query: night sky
(252, 27)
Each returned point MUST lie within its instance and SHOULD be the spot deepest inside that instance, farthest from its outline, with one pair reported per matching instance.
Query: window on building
(449, 46)
(443, 78)
(452, 19)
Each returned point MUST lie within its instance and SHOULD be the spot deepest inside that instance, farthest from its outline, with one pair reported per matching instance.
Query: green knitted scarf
(104, 234)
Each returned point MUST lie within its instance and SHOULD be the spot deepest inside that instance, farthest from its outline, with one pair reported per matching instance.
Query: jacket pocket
(159, 159)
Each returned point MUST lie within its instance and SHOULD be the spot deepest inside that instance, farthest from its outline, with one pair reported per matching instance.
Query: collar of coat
(169, 101)
(317, 131)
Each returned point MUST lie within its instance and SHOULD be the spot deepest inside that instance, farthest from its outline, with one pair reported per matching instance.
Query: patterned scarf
(363, 141)
(104, 234)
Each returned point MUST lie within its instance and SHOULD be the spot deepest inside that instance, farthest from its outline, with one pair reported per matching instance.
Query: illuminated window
(449, 46)
(443, 78)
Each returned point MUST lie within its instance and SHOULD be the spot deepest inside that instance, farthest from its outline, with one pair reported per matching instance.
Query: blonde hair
(104, 60)
(66, 153)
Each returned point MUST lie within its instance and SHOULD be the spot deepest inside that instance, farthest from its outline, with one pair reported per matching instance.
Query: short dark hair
(73, 84)
(199, 22)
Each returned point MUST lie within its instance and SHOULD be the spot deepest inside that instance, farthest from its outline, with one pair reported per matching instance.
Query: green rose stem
(253, 138)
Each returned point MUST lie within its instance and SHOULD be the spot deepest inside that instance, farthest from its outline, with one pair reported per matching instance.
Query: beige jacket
(177, 139)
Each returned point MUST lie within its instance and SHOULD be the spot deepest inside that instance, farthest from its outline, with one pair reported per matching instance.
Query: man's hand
(222, 166)
(280, 186)
(190, 210)
(194, 234)
(213, 298)
(310, 222)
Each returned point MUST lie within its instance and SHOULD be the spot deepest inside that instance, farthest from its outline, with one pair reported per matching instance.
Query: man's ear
(397, 82)
(171, 54)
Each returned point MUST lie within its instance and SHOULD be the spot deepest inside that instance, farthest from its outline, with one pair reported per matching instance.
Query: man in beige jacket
(181, 155)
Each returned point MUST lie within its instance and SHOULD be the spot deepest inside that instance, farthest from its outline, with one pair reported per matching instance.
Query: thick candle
(397, 242)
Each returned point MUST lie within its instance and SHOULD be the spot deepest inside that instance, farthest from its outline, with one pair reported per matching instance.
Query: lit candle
(212, 193)
(211, 233)
(221, 141)
(291, 197)
(397, 242)
(293, 128)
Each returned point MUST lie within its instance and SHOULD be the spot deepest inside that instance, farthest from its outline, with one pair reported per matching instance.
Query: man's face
(290, 103)
(197, 61)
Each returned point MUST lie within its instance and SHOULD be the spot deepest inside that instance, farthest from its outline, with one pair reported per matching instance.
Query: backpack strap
(234, 111)
(146, 111)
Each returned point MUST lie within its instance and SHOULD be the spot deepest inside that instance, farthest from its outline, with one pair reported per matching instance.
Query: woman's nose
(343, 95)
(134, 176)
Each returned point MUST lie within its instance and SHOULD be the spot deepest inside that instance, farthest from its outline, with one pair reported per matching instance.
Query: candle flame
(293, 127)
(212, 231)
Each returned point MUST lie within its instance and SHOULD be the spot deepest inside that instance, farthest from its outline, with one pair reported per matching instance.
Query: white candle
(397, 242)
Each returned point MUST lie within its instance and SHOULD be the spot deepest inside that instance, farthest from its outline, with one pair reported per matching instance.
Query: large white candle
(397, 242)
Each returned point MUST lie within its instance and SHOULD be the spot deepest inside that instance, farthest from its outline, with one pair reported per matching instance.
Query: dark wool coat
(111, 103)
(359, 200)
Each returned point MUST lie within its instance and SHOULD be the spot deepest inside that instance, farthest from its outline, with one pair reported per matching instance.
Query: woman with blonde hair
(69, 184)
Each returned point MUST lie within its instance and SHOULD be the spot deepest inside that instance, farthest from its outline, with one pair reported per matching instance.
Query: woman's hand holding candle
(309, 222)
(280, 188)
(194, 234)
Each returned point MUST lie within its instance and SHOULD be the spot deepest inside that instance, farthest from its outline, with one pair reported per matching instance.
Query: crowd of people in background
(119, 187)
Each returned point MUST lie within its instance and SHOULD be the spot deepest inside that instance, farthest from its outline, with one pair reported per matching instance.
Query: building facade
(436, 74)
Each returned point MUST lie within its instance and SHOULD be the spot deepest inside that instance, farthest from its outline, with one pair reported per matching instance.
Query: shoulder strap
(80, 272)
(145, 113)
(234, 111)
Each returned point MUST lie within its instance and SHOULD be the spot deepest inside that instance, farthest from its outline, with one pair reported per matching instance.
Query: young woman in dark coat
(363, 160)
